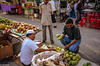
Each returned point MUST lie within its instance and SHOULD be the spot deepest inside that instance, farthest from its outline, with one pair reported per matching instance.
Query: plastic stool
(96, 15)
(86, 15)
(94, 21)
(83, 13)
(19, 9)
(82, 22)
(90, 15)
(98, 24)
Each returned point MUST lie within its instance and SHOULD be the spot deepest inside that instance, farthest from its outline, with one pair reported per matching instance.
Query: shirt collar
(72, 27)
(28, 38)
(44, 4)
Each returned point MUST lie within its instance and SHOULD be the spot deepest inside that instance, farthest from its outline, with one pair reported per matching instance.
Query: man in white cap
(28, 48)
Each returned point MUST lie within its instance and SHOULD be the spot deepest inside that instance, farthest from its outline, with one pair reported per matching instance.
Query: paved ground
(90, 45)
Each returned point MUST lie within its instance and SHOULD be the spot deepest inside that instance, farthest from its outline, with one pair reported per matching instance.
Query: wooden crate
(6, 52)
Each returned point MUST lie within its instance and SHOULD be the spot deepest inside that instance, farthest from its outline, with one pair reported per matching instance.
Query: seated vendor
(28, 48)
(73, 38)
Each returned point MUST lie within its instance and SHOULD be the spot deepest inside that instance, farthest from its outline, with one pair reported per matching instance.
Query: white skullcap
(30, 32)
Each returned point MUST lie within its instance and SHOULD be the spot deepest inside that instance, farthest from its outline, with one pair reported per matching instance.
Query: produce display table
(13, 35)
(35, 10)
(28, 10)
(20, 37)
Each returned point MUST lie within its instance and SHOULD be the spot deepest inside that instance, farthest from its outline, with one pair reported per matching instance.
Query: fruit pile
(15, 25)
(2, 26)
(4, 2)
(23, 28)
(20, 27)
(8, 29)
(87, 64)
(5, 21)
(2, 46)
(70, 57)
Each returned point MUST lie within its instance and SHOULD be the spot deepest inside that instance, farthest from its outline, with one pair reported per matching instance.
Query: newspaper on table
(48, 58)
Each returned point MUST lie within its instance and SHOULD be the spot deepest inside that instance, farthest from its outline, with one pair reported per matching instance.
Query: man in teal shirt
(73, 38)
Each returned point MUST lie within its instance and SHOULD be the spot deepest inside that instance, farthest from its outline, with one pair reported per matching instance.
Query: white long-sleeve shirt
(52, 5)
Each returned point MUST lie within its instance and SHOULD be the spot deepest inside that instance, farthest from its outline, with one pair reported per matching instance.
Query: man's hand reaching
(52, 49)
(67, 46)
(41, 44)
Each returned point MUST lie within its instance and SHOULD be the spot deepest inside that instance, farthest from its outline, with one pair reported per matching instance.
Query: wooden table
(14, 35)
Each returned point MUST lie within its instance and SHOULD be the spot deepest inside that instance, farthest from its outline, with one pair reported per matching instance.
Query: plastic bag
(44, 47)
(48, 57)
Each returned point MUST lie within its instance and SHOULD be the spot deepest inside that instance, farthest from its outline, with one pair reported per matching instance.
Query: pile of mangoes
(2, 46)
(5, 21)
(87, 64)
(70, 57)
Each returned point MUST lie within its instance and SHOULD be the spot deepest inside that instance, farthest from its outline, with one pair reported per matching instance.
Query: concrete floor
(90, 45)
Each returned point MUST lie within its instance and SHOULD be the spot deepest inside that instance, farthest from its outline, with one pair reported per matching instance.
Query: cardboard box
(6, 52)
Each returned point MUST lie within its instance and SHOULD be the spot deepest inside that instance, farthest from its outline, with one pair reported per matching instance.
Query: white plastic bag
(44, 47)
(48, 57)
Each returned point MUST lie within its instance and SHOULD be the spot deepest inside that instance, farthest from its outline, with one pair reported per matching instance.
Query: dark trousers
(53, 17)
(50, 32)
(72, 48)
(26, 65)
(78, 17)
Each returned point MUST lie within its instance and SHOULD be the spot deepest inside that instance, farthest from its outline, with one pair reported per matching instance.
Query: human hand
(52, 49)
(41, 44)
(67, 46)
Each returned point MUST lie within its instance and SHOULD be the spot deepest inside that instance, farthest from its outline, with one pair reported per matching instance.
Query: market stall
(15, 32)
(5, 7)
(9, 6)
(31, 9)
